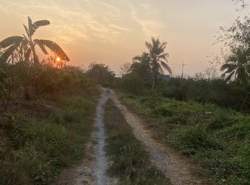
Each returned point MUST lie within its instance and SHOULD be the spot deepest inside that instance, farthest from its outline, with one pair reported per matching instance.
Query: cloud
(118, 27)
(150, 26)
(72, 20)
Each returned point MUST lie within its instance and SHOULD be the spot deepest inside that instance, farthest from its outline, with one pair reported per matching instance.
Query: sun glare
(58, 59)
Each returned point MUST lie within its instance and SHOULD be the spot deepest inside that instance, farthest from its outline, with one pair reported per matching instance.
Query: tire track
(166, 159)
(101, 163)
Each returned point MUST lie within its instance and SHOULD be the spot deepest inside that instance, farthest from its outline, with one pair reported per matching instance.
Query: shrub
(130, 83)
(190, 140)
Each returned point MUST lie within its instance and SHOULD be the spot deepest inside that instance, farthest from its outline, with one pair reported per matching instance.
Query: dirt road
(174, 165)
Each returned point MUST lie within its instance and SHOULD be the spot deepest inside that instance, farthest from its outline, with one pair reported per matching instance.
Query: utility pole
(182, 69)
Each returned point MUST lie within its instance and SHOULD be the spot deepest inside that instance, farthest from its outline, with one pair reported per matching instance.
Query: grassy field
(130, 162)
(39, 138)
(218, 139)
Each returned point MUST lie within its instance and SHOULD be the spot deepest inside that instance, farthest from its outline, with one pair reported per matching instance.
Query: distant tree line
(230, 90)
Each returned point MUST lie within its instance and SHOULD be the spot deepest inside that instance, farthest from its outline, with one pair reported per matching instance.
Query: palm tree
(158, 58)
(237, 66)
(25, 45)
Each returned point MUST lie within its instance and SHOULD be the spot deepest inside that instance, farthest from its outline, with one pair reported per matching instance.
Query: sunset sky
(114, 31)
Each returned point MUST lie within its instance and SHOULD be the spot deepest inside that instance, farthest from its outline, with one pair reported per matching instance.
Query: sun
(58, 59)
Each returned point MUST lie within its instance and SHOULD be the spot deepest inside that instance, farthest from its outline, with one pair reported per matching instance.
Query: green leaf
(34, 26)
(166, 66)
(31, 28)
(13, 40)
(37, 24)
(53, 47)
(41, 45)
(7, 53)
(229, 77)
(26, 29)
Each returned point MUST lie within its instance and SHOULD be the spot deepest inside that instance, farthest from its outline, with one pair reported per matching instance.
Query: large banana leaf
(7, 53)
(35, 25)
(26, 29)
(30, 26)
(41, 45)
(10, 41)
(53, 47)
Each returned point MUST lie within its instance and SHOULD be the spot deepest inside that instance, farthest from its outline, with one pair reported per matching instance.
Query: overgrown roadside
(130, 162)
(216, 138)
(39, 139)
(174, 165)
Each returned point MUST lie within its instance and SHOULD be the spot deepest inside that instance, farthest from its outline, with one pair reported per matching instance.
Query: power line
(188, 65)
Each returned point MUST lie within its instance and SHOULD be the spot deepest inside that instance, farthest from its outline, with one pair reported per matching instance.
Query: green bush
(130, 83)
(217, 138)
(190, 140)
(34, 149)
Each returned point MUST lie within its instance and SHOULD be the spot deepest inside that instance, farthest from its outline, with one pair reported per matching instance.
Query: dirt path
(174, 165)
(93, 169)
(101, 161)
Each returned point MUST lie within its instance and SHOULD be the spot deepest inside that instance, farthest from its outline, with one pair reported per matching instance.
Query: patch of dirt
(174, 165)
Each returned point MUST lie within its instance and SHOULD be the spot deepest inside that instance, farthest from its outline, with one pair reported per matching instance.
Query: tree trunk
(155, 71)
(154, 80)
(36, 60)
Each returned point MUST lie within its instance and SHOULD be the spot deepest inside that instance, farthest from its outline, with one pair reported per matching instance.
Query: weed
(34, 150)
(130, 161)
(217, 138)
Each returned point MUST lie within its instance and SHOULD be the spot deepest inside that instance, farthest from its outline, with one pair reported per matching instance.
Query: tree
(24, 46)
(237, 66)
(237, 39)
(158, 58)
(100, 73)
(141, 66)
(236, 35)
(125, 69)
(242, 3)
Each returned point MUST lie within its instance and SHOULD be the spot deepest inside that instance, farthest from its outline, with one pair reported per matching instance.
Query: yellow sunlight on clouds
(113, 32)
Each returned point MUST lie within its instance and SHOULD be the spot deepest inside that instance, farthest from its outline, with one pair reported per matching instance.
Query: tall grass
(35, 149)
(217, 138)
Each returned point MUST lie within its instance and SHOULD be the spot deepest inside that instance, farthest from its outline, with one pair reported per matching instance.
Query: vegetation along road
(172, 167)
(58, 126)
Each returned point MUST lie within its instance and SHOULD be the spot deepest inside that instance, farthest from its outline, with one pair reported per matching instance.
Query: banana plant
(26, 45)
